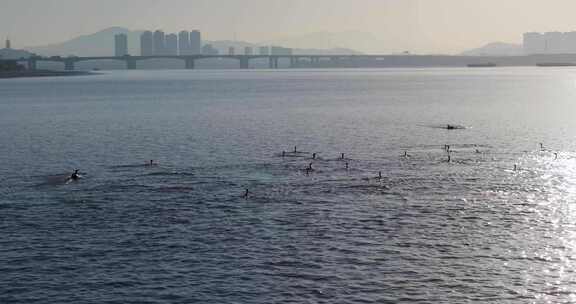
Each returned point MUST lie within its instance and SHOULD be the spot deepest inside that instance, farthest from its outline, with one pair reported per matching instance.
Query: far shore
(42, 73)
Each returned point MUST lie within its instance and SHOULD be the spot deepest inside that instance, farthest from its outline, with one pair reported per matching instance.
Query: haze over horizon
(419, 26)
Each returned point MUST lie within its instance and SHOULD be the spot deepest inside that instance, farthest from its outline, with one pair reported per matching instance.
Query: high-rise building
(534, 43)
(159, 43)
(550, 43)
(171, 45)
(231, 50)
(196, 42)
(264, 50)
(184, 43)
(8, 44)
(248, 50)
(570, 42)
(147, 44)
(208, 49)
(120, 45)
(554, 42)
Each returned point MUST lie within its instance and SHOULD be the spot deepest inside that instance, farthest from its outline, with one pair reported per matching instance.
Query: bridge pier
(293, 62)
(273, 62)
(354, 61)
(69, 65)
(315, 61)
(190, 63)
(244, 63)
(335, 61)
(130, 64)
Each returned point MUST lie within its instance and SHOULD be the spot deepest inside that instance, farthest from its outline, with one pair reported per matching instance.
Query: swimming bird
(246, 194)
(313, 155)
(75, 175)
(295, 149)
(309, 169)
(283, 153)
(342, 156)
(379, 174)
(555, 155)
(347, 167)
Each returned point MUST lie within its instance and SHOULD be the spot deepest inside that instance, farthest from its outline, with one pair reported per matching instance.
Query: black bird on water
(246, 194)
(75, 175)
(309, 169)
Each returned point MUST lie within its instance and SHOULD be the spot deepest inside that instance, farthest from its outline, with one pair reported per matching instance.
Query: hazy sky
(424, 26)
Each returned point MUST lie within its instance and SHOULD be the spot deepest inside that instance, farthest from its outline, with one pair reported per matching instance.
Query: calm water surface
(429, 231)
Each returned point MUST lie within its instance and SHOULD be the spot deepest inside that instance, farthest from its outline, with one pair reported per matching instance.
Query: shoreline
(42, 73)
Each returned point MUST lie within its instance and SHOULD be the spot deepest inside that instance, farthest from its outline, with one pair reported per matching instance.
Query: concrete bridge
(190, 60)
(295, 61)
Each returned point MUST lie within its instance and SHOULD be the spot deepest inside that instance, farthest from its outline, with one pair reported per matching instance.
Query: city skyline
(440, 26)
(190, 43)
(159, 43)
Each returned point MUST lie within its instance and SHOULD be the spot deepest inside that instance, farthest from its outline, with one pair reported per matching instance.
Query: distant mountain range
(97, 44)
(102, 44)
(323, 43)
(496, 49)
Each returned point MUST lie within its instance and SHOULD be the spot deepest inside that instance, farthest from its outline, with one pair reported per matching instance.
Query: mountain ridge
(496, 49)
(101, 43)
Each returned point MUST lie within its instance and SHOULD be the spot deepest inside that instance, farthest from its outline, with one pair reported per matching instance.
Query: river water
(470, 230)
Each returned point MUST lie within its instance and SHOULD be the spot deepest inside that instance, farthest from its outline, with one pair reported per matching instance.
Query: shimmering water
(429, 231)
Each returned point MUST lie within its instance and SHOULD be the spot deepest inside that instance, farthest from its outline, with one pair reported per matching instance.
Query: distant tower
(184, 43)
(159, 43)
(171, 44)
(196, 42)
(8, 44)
(120, 45)
(147, 44)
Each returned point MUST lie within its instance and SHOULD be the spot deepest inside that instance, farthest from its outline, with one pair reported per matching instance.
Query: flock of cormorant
(75, 176)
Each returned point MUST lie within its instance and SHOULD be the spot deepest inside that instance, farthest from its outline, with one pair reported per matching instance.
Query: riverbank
(42, 73)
